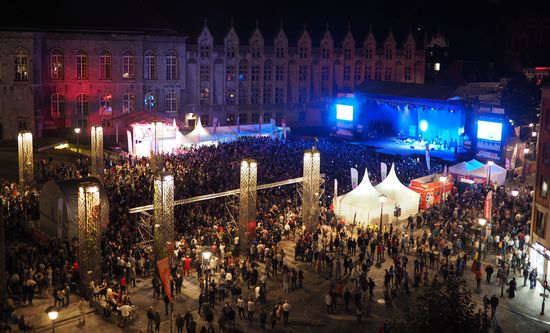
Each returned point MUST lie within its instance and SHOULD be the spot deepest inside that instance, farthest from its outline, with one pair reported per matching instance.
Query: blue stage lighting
(423, 125)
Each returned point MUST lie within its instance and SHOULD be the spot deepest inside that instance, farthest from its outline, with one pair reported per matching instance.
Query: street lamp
(52, 314)
(77, 131)
(443, 181)
(490, 164)
(514, 194)
(206, 256)
(534, 133)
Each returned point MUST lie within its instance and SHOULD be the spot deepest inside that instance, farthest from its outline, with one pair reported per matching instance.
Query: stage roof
(407, 90)
(143, 117)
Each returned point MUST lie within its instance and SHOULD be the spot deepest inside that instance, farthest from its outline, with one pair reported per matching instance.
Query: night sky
(477, 29)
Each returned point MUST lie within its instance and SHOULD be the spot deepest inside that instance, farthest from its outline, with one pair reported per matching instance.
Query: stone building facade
(54, 81)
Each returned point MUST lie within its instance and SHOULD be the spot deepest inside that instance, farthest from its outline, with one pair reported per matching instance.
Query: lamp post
(490, 164)
(77, 132)
(481, 223)
(514, 194)
(206, 256)
(52, 314)
(443, 181)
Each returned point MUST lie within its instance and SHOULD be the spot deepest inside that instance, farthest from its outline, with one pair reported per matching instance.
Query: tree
(521, 99)
(442, 308)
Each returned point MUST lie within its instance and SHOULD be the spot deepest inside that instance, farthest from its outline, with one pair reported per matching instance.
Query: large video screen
(344, 112)
(489, 130)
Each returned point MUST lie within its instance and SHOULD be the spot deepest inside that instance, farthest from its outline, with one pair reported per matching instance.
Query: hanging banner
(261, 121)
(284, 130)
(164, 273)
(383, 170)
(215, 124)
(130, 145)
(335, 201)
(445, 171)
(238, 124)
(428, 157)
(488, 204)
(354, 178)
(514, 157)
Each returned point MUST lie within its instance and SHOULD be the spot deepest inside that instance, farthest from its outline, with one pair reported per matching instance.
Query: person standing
(179, 323)
(157, 321)
(67, 294)
(512, 288)
(328, 303)
(250, 308)
(300, 278)
(489, 270)
(525, 276)
(263, 318)
(82, 311)
(240, 305)
(359, 312)
(494, 304)
(150, 319)
(286, 312)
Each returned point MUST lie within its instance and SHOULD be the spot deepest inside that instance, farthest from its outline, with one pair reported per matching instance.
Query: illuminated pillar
(97, 151)
(311, 189)
(247, 200)
(26, 173)
(163, 210)
(89, 233)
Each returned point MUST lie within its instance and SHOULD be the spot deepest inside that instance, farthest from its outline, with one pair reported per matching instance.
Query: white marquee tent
(476, 169)
(363, 204)
(400, 194)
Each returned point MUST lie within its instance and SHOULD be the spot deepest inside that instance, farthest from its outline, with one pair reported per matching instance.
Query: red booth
(430, 189)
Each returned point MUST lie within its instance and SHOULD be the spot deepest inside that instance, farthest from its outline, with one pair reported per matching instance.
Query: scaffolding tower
(89, 233)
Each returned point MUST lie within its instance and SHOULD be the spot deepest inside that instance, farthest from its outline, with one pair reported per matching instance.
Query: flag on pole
(428, 156)
(445, 171)
(514, 158)
(284, 130)
(238, 124)
(488, 205)
(354, 178)
(164, 272)
(383, 170)
(261, 121)
(215, 124)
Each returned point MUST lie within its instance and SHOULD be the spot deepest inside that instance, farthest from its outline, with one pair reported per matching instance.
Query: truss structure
(25, 154)
(247, 199)
(89, 232)
(311, 189)
(97, 151)
(163, 213)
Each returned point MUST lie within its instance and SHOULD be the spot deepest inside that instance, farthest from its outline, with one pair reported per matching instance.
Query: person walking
(263, 318)
(157, 321)
(494, 304)
(525, 276)
(286, 312)
(328, 302)
(359, 312)
(166, 303)
(240, 306)
(512, 285)
(273, 318)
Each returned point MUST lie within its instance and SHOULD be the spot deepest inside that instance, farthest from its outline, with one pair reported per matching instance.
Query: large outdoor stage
(395, 146)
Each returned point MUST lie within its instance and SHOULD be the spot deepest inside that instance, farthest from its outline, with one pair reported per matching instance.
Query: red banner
(164, 273)
(488, 205)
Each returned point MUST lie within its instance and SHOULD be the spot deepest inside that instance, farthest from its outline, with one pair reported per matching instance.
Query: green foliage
(445, 308)
(521, 99)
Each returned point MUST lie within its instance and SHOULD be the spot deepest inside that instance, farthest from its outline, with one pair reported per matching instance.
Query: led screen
(344, 112)
(489, 130)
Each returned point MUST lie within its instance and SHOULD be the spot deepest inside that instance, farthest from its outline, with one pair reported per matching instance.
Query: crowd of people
(450, 228)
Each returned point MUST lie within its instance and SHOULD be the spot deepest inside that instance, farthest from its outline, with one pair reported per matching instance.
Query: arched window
(21, 63)
(82, 110)
(230, 51)
(150, 102)
(171, 102)
(128, 103)
(57, 109)
(204, 50)
(105, 104)
(347, 53)
(81, 65)
(171, 65)
(56, 64)
(128, 63)
(105, 62)
(150, 72)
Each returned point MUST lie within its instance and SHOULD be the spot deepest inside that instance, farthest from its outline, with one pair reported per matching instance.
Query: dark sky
(475, 28)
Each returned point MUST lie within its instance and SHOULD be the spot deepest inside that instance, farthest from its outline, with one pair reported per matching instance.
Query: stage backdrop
(440, 123)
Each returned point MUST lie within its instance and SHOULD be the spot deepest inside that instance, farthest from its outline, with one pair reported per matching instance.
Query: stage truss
(97, 151)
(25, 154)
(311, 189)
(247, 199)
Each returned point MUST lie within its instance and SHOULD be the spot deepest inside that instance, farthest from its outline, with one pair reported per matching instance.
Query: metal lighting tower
(311, 189)
(247, 200)
(155, 145)
(89, 233)
(26, 173)
(97, 151)
(163, 210)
